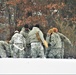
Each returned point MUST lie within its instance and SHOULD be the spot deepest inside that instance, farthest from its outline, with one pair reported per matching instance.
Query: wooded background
(48, 13)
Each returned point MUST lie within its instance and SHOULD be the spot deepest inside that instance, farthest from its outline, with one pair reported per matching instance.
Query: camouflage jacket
(33, 36)
(54, 40)
(18, 38)
(25, 34)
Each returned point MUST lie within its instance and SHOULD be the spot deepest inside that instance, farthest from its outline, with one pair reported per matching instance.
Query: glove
(45, 44)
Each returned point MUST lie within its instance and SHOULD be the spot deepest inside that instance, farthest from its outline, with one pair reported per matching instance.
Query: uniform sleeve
(53, 40)
(23, 32)
(64, 38)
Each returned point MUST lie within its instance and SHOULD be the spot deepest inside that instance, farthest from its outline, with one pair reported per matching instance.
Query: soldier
(36, 40)
(55, 45)
(4, 49)
(18, 45)
(25, 30)
(63, 39)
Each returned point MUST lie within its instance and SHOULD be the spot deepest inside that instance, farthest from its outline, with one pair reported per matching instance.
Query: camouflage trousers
(2, 53)
(37, 50)
(28, 51)
(55, 53)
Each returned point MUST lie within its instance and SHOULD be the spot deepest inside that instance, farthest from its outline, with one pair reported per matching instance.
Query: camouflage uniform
(63, 39)
(4, 49)
(25, 32)
(37, 49)
(55, 48)
(18, 45)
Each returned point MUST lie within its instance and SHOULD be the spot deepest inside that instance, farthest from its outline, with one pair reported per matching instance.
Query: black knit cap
(37, 25)
(26, 26)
